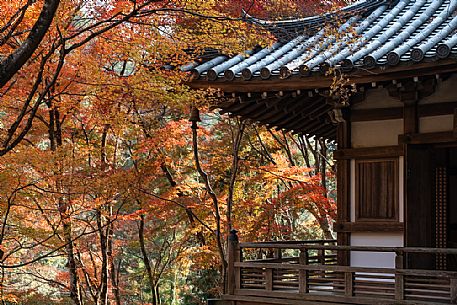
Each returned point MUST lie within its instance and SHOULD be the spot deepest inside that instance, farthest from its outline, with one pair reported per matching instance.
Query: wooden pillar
(410, 117)
(234, 255)
(343, 191)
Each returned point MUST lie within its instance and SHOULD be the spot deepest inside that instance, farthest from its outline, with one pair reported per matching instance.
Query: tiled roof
(375, 33)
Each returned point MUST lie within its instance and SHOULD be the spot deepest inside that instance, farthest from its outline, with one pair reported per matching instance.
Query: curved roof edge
(288, 28)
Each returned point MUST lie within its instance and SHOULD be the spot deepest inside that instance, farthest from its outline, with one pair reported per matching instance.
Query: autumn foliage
(100, 199)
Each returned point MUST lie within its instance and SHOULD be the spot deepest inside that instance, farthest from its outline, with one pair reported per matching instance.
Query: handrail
(306, 245)
(293, 242)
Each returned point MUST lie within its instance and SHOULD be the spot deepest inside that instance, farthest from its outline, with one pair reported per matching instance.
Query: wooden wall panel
(376, 190)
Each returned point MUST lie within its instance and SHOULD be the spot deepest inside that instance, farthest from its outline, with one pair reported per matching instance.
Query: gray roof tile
(386, 34)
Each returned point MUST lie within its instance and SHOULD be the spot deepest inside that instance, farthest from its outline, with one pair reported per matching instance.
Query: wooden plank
(369, 152)
(369, 226)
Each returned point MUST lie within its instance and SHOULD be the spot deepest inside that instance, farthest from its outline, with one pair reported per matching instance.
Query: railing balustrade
(309, 271)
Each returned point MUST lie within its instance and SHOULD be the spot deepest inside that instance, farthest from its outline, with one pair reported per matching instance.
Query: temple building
(379, 78)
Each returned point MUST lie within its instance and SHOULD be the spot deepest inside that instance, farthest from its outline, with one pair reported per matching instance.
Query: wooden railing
(309, 271)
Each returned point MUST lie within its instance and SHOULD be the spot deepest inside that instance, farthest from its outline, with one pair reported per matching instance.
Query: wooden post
(321, 256)
(233, 273)
(343, 175)
(321, 260)
(278, 254)
(269, 279)
(399, 278)
(349, 284)
(453, 284)
(410, 119)
(303, 274)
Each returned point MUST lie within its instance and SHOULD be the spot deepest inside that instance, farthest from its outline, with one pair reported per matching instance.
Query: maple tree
(106, 193)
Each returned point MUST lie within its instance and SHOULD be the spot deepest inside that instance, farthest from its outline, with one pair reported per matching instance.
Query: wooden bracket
(410, 91)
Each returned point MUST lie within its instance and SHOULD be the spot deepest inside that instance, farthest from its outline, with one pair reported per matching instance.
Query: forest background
(107, 195)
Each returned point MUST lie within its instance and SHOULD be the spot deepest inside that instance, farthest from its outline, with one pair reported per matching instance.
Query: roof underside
(387, 36)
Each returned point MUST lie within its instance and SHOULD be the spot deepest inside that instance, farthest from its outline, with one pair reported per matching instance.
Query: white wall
(375, 259)
(436, 123)
(376, 133)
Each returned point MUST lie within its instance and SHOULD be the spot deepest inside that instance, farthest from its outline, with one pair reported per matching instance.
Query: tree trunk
(55, 133)
(14, 62)
(215, 201)
(113, 269)
(146, 261)
(104, 268)
(75, 292)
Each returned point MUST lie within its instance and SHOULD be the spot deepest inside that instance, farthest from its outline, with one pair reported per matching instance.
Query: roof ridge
(296, 26)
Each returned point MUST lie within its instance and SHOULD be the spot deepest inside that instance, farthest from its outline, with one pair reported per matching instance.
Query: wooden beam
(376, 114)
(427, 138)
(369, 152)
(436, 109)
(369, 226)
